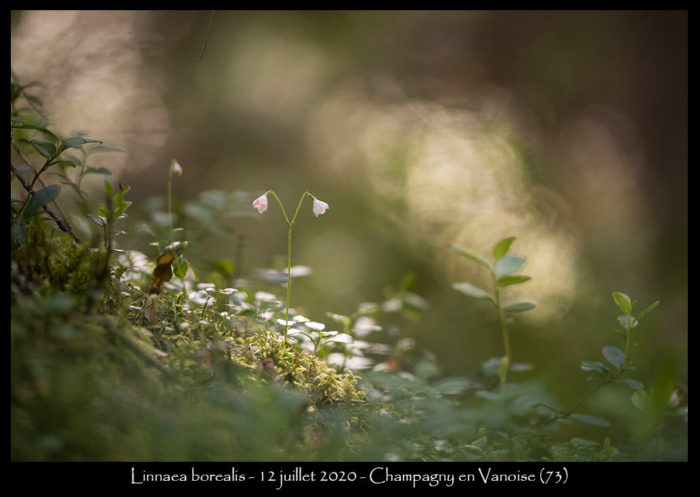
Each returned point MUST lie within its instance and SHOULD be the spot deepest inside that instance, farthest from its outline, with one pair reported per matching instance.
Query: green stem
(506, 336)
(170, 200)
(289, 279)
(612, 378)
(284, 213)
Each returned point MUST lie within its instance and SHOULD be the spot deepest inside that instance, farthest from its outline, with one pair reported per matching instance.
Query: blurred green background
(568, 130)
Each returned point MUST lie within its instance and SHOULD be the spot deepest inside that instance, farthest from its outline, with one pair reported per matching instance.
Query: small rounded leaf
(614, 356)
(623, 302)
(507, 265)
(521, 306)
(471, 291)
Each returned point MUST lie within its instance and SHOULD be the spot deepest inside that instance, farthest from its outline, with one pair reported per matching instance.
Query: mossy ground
(95, 377)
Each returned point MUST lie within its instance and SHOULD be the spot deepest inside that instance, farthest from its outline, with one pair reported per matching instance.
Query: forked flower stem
(290, 224)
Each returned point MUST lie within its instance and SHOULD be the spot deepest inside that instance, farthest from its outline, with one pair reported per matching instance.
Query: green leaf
(623, 302)
(581, 443)
(98, 220)
(180, 267)
(77, 142)
(591, 420)
(41, 198)
(120, 205)
(508, 264)
(470, 255)
(614, 356)
(65, 163)
(626, 321)
(501, 248)
(512, 280)
(633, 384)
(46, 149)
(98, 170)
(109, 189)
(472, 291)
(38, 128)
(96, 149)
(596, 366)
(648, 309)
(520, 306)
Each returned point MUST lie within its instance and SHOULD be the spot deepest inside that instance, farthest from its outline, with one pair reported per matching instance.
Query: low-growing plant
(112, 359)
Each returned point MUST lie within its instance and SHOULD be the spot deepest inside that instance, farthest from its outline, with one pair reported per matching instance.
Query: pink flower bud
(261, 203)
(176, 168)
(319, 207)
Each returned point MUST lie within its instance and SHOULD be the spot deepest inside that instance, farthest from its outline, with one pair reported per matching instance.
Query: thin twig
(64, 225)
(206, 40)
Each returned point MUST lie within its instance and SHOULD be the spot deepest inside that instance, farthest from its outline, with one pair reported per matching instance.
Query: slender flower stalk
(175, 170)
(319, 207)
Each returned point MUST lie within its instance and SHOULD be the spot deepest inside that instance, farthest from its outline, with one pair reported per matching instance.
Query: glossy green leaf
(507, 265)
(46, 149)
(470, 255)
(41, 198)
(512, 280)
(502, 247)
(591, 420)
(614, 356)
(520, 306)
(472, 291)
(623, 302)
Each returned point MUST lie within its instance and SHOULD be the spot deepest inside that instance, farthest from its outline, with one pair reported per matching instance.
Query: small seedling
(502, 272)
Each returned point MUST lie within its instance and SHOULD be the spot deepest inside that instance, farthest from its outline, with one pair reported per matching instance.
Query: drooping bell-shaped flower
(260, 203)
(319, 207)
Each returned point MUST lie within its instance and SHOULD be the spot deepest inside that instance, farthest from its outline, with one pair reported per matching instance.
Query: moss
(96, 377)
